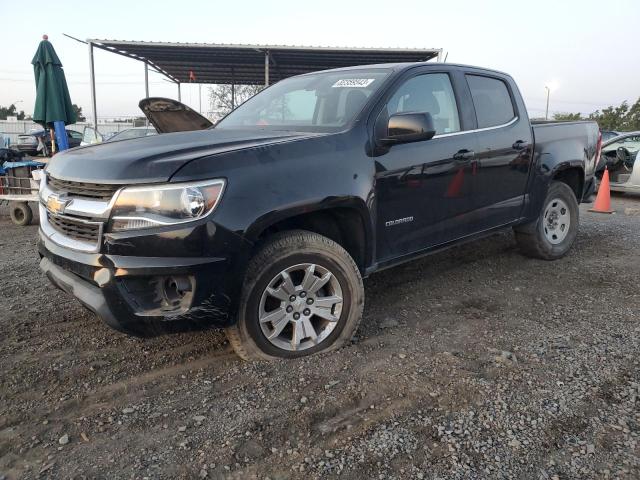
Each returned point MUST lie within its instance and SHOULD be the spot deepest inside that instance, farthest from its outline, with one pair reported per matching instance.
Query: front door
(424, 189)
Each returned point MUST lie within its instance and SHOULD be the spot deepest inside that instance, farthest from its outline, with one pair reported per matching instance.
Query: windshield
(319, 102)
(630, 143)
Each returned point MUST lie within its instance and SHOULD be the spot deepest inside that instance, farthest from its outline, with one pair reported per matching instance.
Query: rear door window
(491, 100)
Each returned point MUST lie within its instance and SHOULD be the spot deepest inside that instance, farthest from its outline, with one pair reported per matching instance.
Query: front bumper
(89, 295)
(126, 291)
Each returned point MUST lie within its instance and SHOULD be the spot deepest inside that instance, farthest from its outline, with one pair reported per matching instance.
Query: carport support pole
(92, 81)
(146, 87)
(233, 89)
(233, 96)
(146, 80)
(266, 68)
(179, 93)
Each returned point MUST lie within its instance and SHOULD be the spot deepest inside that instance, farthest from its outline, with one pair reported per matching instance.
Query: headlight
(169, 204)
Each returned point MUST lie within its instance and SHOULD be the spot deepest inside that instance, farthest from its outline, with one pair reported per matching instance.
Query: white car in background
(620, 154)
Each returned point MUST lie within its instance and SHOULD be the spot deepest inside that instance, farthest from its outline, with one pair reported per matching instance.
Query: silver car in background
(622, 159)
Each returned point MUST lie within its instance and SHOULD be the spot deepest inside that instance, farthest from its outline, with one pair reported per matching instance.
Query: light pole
(546, 112)
(549, 87)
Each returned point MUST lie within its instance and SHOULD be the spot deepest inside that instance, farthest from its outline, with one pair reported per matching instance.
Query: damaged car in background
(620, 156)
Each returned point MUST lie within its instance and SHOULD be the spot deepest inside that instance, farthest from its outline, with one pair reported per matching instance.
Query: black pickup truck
(266, 223)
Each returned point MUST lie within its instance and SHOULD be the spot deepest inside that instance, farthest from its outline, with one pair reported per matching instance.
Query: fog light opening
(175, 289)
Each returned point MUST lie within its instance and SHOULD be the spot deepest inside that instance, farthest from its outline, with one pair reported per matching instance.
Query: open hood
(169, 115)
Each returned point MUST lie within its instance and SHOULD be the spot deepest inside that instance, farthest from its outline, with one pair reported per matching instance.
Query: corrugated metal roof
(245, 64)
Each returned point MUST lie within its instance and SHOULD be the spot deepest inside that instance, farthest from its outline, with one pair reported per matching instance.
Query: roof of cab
(407, 65)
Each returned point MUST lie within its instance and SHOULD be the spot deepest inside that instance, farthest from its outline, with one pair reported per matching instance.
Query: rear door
(505, 149)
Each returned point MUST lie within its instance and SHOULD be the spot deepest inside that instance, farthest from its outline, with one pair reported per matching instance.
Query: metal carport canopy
(243, 64)
(252, 64)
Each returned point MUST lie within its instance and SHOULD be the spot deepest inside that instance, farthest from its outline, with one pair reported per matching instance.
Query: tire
(21, 213)
(265, 293)
(536, 239)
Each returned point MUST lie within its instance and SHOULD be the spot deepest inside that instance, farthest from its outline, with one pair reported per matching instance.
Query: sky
(588, 50)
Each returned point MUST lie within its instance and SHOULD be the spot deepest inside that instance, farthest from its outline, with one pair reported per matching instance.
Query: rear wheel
(553, 233)
(302, 294)
(21, 213)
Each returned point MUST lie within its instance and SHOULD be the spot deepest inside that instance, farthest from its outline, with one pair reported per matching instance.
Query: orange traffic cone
(603, 199)
(456, 184)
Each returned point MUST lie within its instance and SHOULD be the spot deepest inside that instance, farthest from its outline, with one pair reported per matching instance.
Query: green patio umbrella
(53, 103)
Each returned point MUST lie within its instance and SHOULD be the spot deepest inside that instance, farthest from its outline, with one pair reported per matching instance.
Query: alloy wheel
(300, 307)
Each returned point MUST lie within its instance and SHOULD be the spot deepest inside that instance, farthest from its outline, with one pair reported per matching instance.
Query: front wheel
(553, 233)
(302, 294)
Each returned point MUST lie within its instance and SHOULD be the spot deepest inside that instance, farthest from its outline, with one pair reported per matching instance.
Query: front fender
(273, 183)
(269, 219)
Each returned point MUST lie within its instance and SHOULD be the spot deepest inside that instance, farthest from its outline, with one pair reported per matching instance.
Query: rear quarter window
(491, 100)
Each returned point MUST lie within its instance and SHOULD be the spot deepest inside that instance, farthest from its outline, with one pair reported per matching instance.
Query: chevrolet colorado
(266, 223)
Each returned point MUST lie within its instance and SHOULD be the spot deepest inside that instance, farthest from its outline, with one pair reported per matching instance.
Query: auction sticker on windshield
(353, 82)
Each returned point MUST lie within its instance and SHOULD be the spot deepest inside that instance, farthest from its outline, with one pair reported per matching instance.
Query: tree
(633, 117)
(78, 110)
(567, 117)
(611, 118)
(622, 118)
(221, 101)
(11, 111)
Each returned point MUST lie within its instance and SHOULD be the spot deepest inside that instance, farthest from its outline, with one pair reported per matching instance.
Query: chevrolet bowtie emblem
(56, 204)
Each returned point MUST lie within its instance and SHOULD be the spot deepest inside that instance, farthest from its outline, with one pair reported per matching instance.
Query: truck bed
(567, 140)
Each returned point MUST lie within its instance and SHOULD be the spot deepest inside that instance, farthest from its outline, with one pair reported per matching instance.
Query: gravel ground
(472, 363)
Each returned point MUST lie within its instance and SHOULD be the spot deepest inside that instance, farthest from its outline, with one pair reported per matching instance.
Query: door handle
(520, 145)
(464, 155)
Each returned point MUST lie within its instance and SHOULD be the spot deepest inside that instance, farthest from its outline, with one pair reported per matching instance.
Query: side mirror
(409, 127)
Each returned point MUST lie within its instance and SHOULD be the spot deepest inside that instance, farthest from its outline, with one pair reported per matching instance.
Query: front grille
(100, 191)
(76, 229)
